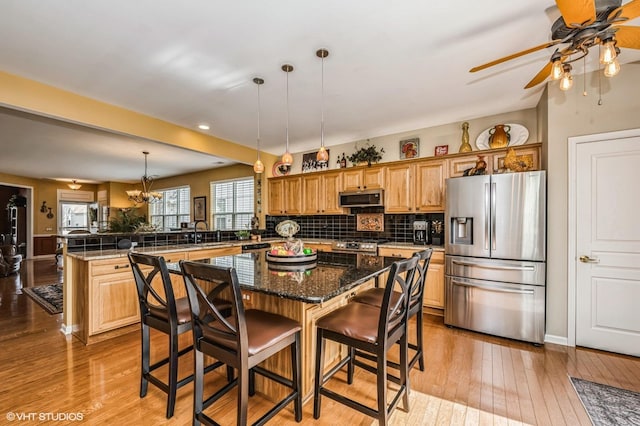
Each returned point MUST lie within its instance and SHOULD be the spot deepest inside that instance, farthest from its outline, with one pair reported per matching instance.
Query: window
(232, 205)
(175, 207)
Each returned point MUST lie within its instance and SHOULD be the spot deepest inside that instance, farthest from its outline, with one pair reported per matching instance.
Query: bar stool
(374, 297)
(241, 340)
(164, 313)
(373, 330)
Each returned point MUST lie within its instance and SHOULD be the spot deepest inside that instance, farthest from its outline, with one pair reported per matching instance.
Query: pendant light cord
(258, 122)
(322, 105)
(287, 102)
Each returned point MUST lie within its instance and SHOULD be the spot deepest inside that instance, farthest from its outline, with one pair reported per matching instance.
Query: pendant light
(258, 167)
(74, 185)
(287, 158)
(323, 156)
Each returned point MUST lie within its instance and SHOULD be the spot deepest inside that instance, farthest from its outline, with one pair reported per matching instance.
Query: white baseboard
(558, 340)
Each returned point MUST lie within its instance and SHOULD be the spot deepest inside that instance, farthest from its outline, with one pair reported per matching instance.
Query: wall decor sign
(370, 222)
(310, 164)
(199, 208)
(410, 148)
(442, 150)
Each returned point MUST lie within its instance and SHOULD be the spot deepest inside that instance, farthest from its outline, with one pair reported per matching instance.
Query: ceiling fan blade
(541, 76)
(513, 56)
(577, 12)
(628, 37)
(630, 10)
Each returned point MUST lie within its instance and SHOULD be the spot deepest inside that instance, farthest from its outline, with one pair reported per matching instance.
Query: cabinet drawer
(396, 252)
(110, 266)
(214, 252)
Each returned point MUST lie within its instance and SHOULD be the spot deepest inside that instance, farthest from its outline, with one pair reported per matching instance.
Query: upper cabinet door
(398, 191)
(276, 197)
(330, 188)
(293, 195)
(430, 176)
(311, 188)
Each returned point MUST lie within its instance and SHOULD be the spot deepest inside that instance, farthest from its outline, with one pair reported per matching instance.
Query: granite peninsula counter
(102, 299)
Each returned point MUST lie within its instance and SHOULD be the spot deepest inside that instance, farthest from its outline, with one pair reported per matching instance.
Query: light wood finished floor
(470, 378)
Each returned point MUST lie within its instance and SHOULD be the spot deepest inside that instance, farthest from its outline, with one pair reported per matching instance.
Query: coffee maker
(421, 232)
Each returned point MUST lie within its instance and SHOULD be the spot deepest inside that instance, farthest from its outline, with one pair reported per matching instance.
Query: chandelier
(146, 195)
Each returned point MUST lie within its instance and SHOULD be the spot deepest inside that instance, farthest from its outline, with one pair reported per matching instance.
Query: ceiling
(392, 67)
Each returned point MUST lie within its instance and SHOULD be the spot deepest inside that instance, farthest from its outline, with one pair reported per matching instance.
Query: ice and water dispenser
(461, 230)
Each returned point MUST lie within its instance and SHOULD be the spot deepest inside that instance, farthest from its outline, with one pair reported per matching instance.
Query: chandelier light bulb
(607, 51)
(556, 70)
(612, 68)
(566, 82)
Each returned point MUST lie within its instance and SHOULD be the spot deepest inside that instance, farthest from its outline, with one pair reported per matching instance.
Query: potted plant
(243, 234)
(367, 154)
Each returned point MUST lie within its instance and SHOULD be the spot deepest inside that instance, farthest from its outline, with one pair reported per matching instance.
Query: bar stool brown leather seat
(160, 310)
(373, 330)
(242, 340)
(375, 295)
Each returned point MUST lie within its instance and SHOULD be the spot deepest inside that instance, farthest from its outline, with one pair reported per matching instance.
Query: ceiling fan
(583, 24)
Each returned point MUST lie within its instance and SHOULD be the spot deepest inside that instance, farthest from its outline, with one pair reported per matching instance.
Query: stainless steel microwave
(369, 197)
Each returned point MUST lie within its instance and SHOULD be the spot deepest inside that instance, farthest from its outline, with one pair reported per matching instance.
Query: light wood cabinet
(399, 193)
(285, 195)
(320, 193)
(415, 187)
(434, 285)
(360, 178)
(318, 246)
(429, 181)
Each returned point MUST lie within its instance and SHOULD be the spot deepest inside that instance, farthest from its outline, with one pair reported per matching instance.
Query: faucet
(195, 229)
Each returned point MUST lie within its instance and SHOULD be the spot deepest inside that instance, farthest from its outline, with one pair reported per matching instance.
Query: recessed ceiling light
(203, 126)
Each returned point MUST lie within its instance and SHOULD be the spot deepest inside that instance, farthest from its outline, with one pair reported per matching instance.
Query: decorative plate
(287, 228)
(519, 135)
(279, 169)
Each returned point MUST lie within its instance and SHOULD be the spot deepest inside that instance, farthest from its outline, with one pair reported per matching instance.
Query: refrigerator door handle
(495, 289)
(487, 215)
(493, 216)
(504, 267)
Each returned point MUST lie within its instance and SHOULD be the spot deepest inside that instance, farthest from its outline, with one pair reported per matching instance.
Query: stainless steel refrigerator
(495, 254)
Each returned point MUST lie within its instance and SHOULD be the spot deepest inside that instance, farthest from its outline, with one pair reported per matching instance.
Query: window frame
(179, 216)
(235, 214)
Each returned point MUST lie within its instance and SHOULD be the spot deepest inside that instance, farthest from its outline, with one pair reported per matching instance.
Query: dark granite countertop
(331, 275)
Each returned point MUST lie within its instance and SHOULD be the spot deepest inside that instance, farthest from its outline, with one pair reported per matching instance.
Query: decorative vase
(465, 147)
(499, 136)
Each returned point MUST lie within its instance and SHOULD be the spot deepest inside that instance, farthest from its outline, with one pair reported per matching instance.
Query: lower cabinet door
(114, 302)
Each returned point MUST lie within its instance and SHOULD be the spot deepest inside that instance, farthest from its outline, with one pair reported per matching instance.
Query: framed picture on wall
(199, 208)
(410, 148)
(442, 150)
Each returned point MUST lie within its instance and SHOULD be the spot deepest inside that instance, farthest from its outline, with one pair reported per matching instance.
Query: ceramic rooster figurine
(517, 163)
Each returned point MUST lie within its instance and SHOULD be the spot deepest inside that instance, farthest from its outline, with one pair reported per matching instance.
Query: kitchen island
(101, 300)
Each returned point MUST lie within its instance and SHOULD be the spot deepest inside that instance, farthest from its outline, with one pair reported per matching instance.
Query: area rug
(607, 405)
(47, 296)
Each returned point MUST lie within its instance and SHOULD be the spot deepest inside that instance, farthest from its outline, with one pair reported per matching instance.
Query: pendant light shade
(258, 167)
(74, 185)
(323, 156)
(287, 158)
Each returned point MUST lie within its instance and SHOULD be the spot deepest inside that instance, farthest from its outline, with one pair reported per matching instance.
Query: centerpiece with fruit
(292, 250)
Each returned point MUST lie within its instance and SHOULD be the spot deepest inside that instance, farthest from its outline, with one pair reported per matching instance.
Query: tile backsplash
(397, 227)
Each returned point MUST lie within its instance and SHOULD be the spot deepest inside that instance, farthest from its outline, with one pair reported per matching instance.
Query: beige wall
(430, 137)
(571, 114)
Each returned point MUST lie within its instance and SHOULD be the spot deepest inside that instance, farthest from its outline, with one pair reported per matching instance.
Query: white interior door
(608, 244)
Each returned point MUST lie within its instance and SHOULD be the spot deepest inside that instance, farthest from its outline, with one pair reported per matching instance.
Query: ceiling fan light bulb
(556, 70)
(258, 166)
(322, 156)
(287, 158)
(607, 52)
(566, 82)
(612, 69)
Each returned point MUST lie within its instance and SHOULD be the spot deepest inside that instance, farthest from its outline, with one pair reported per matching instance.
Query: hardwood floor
(470, 378)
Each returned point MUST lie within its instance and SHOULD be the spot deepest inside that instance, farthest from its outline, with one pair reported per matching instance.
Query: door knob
(587, 259)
